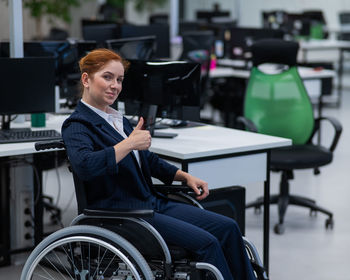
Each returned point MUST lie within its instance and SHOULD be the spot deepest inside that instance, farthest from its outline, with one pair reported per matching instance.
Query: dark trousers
(213, 238)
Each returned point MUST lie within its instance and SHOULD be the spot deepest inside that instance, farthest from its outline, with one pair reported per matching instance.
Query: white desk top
(211, 140)
(323, 44)
(53, 122)
(190, 143)
(306, 73)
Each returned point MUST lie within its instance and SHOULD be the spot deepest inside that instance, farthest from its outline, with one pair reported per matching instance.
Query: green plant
(54, 9)
(141, 5)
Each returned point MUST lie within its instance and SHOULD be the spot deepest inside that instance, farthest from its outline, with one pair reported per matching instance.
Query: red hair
(96, 59)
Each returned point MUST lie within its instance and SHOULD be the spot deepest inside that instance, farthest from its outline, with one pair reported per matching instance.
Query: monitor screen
(61, 51)
(100, 32)
(172, 85)
(161, 31)
(84, 47)
(142, 48)
(241, 40)
(27, 85)
(209, 15)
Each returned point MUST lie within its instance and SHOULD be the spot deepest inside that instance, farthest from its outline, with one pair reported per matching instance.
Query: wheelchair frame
(74, 252)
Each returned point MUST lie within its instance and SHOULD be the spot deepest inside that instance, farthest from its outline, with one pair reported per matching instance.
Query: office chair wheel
(85, 252)
(329, 223)
(279, 229)
(257, 210)
(313, 213)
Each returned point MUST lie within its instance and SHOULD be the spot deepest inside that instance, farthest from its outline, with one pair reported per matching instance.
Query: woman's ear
(85, 79)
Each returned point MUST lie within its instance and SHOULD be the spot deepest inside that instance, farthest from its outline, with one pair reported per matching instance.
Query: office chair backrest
(344, 18)
(80, 193)
(278, 104)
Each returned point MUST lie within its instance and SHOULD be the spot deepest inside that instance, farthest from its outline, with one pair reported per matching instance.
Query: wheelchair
(119, 245)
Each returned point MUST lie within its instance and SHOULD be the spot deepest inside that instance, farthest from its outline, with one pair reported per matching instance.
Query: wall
(142, 17)
(192, 6)
(250, 10)
(247, 11)
(87, 10)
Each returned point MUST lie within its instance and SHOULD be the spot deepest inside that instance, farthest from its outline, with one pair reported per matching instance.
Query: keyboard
(28, 135)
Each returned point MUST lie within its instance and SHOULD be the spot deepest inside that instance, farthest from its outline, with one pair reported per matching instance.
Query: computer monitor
(27, 85)
(142, 48)
(161, 31)
(299, 25)
(84, 47)
(174, 86)
(209, 15)
(241, 40)
(100, 32)
(61, 51)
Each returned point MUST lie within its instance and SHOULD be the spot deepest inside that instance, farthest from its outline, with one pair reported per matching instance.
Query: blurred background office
(246, 13)
(308, 249)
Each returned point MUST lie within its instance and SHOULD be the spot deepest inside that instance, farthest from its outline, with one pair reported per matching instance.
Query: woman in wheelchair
(116, 166)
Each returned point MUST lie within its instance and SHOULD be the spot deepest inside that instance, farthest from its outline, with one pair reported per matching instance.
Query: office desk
(223, 157)
(18, 174)
(306, 73)
(326, 45)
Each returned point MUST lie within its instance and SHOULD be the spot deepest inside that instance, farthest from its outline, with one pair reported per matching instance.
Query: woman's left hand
(199, 186)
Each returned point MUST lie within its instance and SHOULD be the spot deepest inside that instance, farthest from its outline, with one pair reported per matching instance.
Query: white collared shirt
(115, 119)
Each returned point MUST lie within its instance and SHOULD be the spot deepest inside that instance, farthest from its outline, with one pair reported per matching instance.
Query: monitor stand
(160, 134)
(5, 123)
(149, 113)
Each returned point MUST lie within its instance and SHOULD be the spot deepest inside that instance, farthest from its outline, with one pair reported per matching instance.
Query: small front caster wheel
(257, 210)
(278, 229)
(329, 223)
(313, 213)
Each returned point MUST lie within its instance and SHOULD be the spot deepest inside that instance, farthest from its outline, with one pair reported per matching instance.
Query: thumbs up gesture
(140, 139)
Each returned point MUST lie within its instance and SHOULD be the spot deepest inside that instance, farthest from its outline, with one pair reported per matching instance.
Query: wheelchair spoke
(76, 257)
(70, 258)
(53, 266)
(108, 265)
(57, 257)
(44, 277)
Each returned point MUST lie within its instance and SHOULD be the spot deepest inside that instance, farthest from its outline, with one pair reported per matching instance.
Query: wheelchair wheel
(85, 253)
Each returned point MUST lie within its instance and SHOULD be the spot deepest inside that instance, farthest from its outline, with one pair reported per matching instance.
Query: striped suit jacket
(89, 142)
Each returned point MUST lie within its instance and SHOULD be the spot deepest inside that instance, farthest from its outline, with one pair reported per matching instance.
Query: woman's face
(102, 88)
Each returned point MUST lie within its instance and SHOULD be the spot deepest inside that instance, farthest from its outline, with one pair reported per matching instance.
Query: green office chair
(278, 104)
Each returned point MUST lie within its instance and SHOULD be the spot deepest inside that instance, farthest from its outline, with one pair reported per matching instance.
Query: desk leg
(4, 214)
(267, 215)
(38, 207)
(340, 76)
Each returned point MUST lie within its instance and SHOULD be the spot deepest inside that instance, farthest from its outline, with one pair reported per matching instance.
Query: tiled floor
(306, 250)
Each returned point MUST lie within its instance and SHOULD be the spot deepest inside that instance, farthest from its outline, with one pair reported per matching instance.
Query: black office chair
(344, 21)
(197, 46)
(278, 104)
(118, 244)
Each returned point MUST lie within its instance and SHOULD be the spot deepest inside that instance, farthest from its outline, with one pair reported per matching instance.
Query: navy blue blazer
(89, 140)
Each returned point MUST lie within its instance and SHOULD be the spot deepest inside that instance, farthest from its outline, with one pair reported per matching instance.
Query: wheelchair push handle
(48, 145)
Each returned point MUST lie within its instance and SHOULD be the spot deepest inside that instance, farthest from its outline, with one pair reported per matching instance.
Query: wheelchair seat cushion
(178, 253)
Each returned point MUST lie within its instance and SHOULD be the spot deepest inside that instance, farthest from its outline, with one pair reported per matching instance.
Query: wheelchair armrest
(48, 145)
(125, 213)
(337, 130)
(248, 124)
(166, 189)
